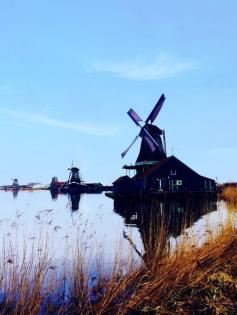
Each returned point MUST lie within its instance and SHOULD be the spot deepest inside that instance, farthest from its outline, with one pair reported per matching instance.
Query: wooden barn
(153, 170)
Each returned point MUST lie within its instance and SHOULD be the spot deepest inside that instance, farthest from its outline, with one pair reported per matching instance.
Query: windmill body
(75, 185)
(75, 176)
(153, 146)
(146, 153)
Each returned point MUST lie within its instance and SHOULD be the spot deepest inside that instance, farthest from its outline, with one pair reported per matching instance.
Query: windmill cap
(73, 169)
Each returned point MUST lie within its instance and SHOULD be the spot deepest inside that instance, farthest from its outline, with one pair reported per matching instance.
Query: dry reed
(229, 194)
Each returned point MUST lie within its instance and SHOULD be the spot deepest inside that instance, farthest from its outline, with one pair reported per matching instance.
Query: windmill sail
(150, 143)
(126, 151)
(134, 116)
(152, 148)
(156, 109)
(153, 144)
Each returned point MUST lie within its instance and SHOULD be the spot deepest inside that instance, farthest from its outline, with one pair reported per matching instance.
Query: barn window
(173, 172)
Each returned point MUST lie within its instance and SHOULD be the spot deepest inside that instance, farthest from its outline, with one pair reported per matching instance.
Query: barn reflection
(158, 220)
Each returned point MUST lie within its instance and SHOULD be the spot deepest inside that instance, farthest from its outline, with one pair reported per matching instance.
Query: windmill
(74, 175)
(153, 147)
(154, 172)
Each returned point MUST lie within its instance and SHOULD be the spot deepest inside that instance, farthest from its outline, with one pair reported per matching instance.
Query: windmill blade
(153, 144)
(156, 109)
(150, 143)
(134, 116)
(126, 151)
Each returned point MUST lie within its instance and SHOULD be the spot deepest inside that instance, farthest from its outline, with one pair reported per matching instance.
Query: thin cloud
(162, 67)
(82, 127)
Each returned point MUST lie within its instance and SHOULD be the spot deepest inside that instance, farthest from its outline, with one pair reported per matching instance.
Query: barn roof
(121, 179)
(159, 165)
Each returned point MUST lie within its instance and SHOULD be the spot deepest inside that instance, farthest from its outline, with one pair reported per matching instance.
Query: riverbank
(192, 280)
(229, 194)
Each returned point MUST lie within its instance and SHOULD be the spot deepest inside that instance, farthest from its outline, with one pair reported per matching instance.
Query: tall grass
(229, 194)
(186, 279)
(191, 279)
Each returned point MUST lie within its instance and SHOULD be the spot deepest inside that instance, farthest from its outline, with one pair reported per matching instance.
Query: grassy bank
(186, 280)
(229, 194)
(189, 281)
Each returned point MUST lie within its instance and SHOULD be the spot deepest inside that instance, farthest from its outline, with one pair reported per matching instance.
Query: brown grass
(187, 280)
(229, 194)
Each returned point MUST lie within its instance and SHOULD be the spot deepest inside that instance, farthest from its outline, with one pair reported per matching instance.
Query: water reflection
(105, 228)
(159, 220)
(15, 193)
(54, 194)
(74, 199)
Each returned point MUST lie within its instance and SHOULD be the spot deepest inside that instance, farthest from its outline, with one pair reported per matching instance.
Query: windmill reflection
(15, 193)
(158, 220)
(74, 199)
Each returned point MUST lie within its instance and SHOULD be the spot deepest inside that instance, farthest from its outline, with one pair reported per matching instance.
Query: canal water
(102, 228)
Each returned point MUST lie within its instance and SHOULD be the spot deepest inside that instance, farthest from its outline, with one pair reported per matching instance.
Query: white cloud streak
(163, 66)
(82, 127)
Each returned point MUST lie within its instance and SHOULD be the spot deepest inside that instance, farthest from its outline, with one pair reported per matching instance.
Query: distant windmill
(153, 148)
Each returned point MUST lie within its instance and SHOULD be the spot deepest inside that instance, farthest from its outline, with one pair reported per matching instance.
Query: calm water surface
(103, 228)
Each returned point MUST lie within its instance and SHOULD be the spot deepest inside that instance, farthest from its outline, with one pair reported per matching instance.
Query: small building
(169, 175)
(174, 176)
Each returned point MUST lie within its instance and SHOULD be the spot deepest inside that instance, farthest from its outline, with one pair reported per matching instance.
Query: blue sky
(70, 70)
